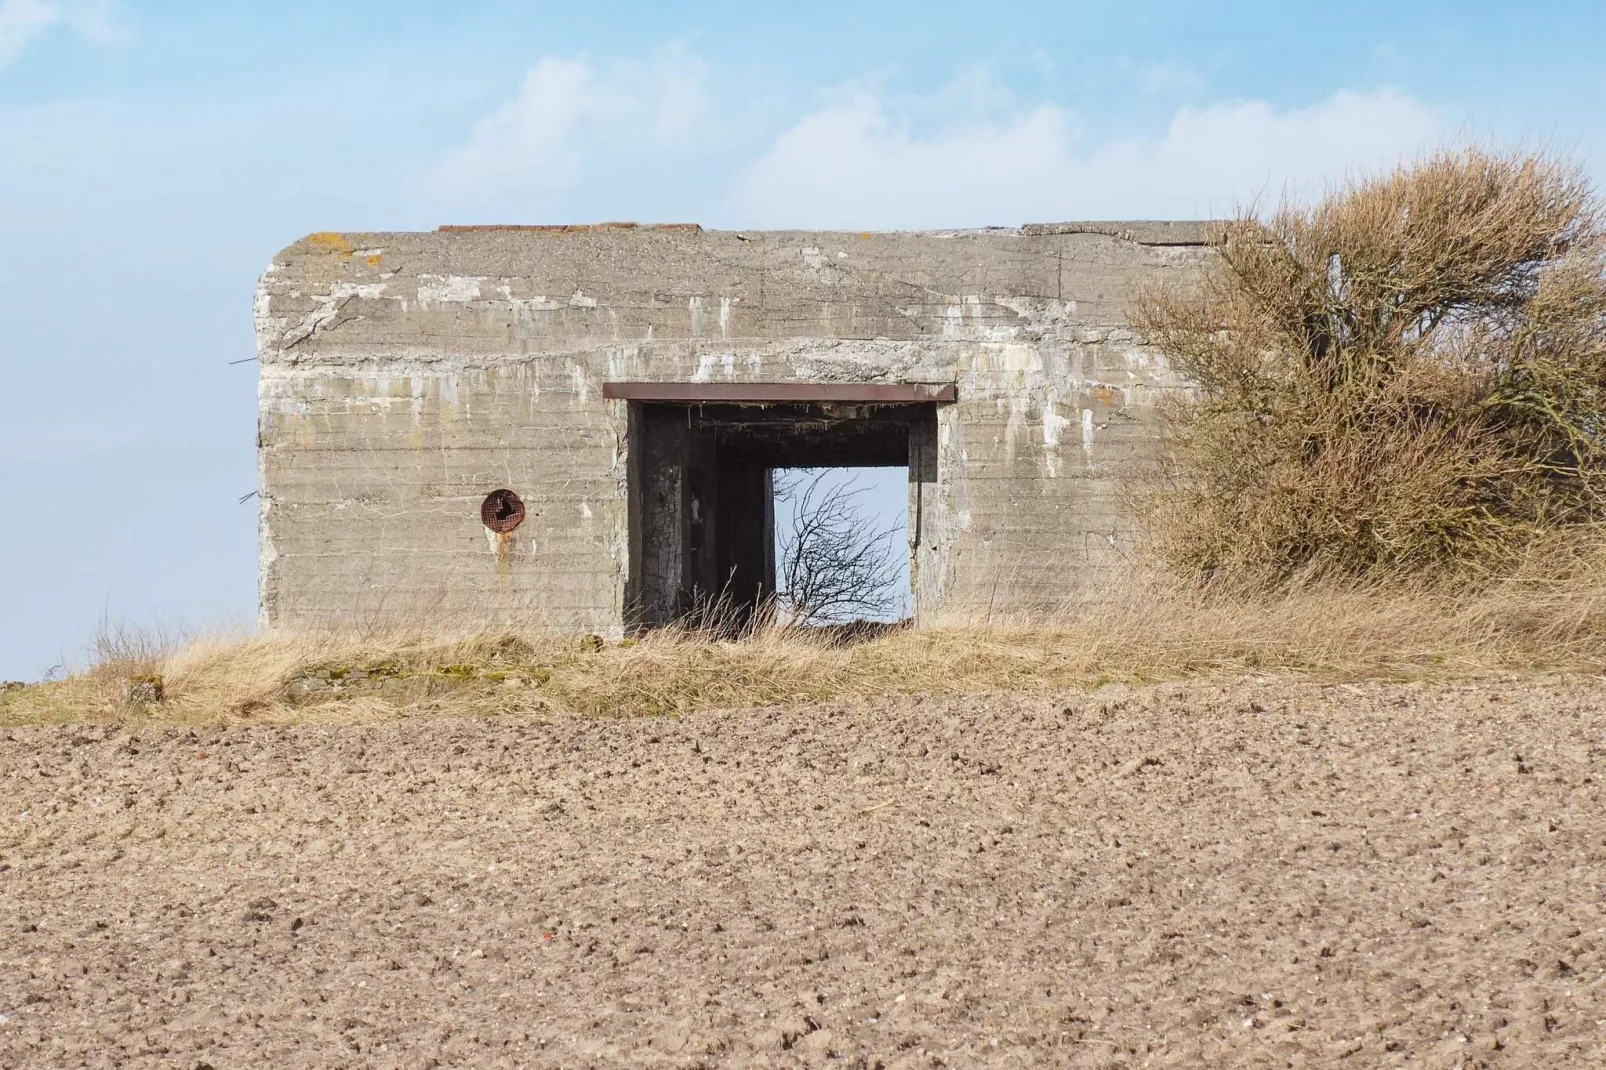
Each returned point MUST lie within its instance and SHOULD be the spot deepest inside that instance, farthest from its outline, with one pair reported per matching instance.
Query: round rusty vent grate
(502, 511)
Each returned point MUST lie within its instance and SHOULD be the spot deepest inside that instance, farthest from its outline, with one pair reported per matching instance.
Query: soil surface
(1194, 875)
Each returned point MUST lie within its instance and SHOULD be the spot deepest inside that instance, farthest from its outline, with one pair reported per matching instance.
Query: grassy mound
(1548, 615)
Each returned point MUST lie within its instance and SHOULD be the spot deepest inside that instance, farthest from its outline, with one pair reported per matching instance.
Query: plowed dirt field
(1192, 875)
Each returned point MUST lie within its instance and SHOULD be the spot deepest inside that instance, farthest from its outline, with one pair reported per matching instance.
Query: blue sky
(154, 156)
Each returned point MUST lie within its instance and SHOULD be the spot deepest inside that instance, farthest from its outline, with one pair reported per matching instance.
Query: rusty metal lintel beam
(804, 393)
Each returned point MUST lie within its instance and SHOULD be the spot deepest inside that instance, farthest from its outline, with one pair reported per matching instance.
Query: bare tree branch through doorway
(837, 563)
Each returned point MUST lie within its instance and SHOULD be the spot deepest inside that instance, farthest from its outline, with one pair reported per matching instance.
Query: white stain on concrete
(1053, 425)
(695, 305)
(1000, 368)
(530, 386)
(540, 303)
(1019, 407)
(709, 363)
(449, 289)
(623, 362)
(580, 300)
(724, 317)
(1087, 434)
(582, 385)
(705, 368)
(1053, 422)
(1021, 359)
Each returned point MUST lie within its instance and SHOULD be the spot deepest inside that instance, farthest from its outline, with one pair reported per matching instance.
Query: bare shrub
(1407, 377)
(836, 564)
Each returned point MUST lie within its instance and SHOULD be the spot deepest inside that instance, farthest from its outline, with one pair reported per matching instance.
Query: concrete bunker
(702, 457)
(571, 429)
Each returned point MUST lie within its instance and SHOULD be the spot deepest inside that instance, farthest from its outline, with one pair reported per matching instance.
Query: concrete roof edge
(566, 228)
(1142, 231)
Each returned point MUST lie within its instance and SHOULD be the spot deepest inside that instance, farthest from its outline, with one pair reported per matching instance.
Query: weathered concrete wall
(404, 376)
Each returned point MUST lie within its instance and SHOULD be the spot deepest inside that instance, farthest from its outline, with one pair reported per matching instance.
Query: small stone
(1135, 766)
(143, 690)
(304, 687)
(260, 909)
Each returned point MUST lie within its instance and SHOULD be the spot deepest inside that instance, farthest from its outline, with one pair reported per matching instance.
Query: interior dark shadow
(702, 510)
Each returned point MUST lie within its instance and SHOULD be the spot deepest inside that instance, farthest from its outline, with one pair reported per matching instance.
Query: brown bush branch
(1408, 375)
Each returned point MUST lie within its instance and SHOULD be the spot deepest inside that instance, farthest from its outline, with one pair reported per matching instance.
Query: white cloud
(569, 121)
(22, 22)
(858, 165)
(582, 140)
(864, 163)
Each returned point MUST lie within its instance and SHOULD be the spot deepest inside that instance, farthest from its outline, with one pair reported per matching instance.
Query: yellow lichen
(329, 241)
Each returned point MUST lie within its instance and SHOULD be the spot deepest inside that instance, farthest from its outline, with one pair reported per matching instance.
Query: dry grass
(1548, 615)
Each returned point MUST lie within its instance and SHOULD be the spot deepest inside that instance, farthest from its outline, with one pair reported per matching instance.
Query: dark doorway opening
(702, 503)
